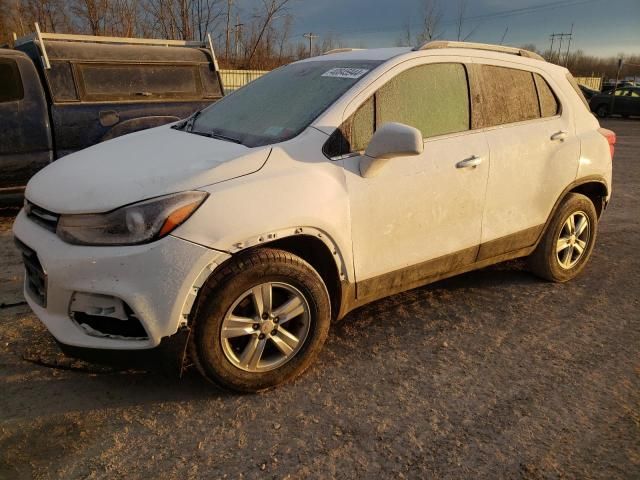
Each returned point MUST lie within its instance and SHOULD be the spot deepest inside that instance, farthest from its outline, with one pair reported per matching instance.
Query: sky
(600, 27)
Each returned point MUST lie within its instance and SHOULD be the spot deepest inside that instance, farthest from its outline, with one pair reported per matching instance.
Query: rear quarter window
(549, 105)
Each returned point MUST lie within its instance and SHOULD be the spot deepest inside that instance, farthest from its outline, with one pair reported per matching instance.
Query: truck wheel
(568, 241)
(260, 322)
(602, 111)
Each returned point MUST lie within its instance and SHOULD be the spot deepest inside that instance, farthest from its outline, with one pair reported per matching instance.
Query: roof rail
(340, 50)
(42, 36)
(433, 45)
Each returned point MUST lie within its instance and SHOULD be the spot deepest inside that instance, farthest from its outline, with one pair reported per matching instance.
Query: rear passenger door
(533, 152)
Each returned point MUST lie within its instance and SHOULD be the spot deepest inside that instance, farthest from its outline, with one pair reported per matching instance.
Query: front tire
(261, 321)
(568, 241)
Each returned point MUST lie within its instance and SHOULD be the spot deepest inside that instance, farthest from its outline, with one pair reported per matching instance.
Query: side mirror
(390, 140)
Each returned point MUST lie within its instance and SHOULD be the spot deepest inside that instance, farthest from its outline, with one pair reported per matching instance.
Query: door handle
(471, 162)
(561, 135)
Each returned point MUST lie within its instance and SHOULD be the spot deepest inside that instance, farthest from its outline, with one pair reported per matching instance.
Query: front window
(281, 104)
(10, 82)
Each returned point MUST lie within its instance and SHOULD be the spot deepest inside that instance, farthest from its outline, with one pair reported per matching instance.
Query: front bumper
(157, 281)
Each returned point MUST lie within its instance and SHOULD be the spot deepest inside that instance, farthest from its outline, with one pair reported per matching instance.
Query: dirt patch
(489, 374)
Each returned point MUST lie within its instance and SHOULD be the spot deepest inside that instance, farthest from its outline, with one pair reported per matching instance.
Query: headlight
(136, 223)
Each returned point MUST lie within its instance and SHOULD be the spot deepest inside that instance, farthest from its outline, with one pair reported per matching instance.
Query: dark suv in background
(62, 93)
(622, 101)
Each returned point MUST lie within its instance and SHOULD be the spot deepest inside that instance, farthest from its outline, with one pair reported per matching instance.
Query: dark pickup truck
(62, 93)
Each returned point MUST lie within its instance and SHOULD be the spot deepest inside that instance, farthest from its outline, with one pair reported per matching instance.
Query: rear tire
(261, 321)
(568, 241)
(602, 111)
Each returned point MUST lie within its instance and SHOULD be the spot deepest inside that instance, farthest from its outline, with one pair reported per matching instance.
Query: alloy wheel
(573, 240)
(265, 327)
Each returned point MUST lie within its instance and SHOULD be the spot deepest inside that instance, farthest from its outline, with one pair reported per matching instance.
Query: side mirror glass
(390, 140)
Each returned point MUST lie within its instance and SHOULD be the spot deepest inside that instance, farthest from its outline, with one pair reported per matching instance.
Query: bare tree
(182, 19)
(431, 21)
(285, 34)
(461, 19)
(271, 10)
(51, 15)
(404, 40)
(92, 13)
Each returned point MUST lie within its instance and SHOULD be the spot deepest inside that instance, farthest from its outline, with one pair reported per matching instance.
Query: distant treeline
(260, 39)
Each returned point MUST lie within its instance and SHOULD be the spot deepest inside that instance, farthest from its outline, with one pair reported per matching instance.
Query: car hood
(138, 166)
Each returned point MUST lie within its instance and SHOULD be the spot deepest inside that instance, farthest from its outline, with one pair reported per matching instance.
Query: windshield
(281, 104)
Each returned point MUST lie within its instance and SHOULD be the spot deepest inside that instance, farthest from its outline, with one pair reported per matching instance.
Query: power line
(502, 14)
(560, 37)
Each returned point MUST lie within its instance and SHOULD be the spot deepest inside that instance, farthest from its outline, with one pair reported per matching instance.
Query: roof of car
(432, 49)
(365, 54)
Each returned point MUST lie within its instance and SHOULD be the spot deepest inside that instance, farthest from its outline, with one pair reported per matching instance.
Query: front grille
(36, 279)
(42, 217)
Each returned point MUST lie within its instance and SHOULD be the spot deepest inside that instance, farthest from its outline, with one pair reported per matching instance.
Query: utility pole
(238, 32)
(613, 94)
(506, 30)
(560, 37)
(226, 44)
(310, 36)
(566, 57)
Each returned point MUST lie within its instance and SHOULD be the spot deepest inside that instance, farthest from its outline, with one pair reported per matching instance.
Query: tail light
(611, 138)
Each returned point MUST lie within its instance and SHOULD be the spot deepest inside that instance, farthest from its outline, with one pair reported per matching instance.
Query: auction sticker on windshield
(342, 72)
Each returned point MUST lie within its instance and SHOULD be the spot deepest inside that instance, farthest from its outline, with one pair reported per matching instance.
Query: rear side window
(10, 82)
(432, 98)
(548, 103)
(507, 96)
(61, 82)
(138, 82)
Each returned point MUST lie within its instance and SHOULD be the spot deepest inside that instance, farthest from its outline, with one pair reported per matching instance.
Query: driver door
(421, 215)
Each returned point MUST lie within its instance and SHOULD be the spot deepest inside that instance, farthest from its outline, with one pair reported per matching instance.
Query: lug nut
(274, 331)
(255, 326)
(261, 336)
(265, 316)
(276, 320)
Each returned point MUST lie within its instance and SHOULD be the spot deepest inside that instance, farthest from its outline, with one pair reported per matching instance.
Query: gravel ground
(492, 374)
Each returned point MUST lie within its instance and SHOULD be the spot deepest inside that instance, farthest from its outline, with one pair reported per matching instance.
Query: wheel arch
(311, 244)
(321, 257)
(593, 187)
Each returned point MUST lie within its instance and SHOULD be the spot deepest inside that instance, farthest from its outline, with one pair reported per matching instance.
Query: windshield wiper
(188, 127)
(225, 137)
(217, 136)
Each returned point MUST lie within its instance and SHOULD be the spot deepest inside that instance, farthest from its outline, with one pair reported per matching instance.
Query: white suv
(324, 185)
